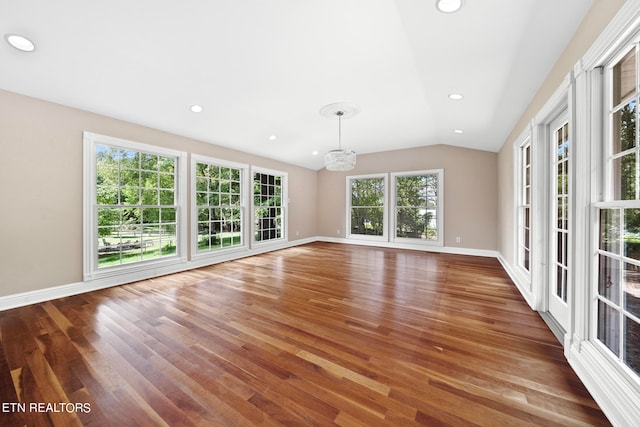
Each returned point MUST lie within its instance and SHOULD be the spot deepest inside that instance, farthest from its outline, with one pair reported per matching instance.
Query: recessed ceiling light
(448, 6)
(20, 42)
(458, 131)
(195, 108)
(314, 153)
(273, 137)
(455, 96)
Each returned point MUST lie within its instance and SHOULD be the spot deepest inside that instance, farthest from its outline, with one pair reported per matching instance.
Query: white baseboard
(519, 281)
(418, 247)
(618, 399)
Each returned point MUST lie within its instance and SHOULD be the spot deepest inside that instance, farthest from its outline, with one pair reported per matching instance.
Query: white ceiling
(263, 67)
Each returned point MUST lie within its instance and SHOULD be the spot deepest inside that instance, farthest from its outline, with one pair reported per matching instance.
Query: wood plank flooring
(321, 334)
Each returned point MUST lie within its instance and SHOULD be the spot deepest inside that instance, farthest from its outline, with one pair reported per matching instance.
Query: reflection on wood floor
(320, 334)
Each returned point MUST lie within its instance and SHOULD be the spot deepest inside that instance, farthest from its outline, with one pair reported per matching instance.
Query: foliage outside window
(618, 254)
(418, 202)
(269, 201)
(367, 206)
(135, 204)
(219, 204)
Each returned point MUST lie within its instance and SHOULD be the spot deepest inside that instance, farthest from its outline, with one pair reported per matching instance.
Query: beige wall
(470, 193)
(591, 27)
(41, 185)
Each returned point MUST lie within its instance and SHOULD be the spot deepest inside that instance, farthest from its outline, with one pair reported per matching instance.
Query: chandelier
(341, 159)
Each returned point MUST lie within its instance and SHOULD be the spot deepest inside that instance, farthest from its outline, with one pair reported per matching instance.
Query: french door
(559, 225)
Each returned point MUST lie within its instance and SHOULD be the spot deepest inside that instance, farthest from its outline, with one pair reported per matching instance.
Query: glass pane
(150, 216)
(202, 199)
(130, 196)
(107, 156)
(412, 222)
(149, 197)
(632, 289)
(129, 159)
(149, 179)
(129, 178)
(624, 177)
(560, 247)
(168, 215)
(367, 192)
(167, 197)
(107, 195)
(632, 344)
(202, 170)
(203, 214)
(624, 77)
(561, 283)
(149, 162)
(610, 230)
(106, 175)
(166, 164)
(609, 327)
(108, 217)
(609, 278)
(367, 221)
(624, 128)
(167, 180)
(632, 233)
(202, 184)
(560, 177)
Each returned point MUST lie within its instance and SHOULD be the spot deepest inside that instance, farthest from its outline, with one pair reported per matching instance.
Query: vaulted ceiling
(266, 67)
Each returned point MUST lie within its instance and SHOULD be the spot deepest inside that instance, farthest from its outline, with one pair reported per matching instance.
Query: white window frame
(244, 174)
(284, 183)
(385, 210)
(521, 186)
(136, 270)
(439, 208)
(608, 201)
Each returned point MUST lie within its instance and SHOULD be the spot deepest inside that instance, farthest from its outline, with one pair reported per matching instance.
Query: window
(418, 206)
(367, 214)
(132, 203)
(560, 201)
(218, 205)
(618, 253)
(269, 205)
(524, 205)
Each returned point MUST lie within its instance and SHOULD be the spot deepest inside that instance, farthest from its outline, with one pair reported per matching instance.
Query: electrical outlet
(457, 239)
(338, 232)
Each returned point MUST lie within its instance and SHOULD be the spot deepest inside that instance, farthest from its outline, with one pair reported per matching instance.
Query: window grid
(617, 305)
(417, 203)
(136, 206)
(524, 207)
(268, 206)
(367, 206)
(561, 223)
(219, 206)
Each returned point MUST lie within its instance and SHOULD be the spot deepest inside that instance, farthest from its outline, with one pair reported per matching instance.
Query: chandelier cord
(340, 114)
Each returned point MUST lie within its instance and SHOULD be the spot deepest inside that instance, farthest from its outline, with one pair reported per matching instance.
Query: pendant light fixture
(341, 159)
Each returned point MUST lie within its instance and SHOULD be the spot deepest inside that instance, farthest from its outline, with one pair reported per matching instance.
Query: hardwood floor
(321, 334)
